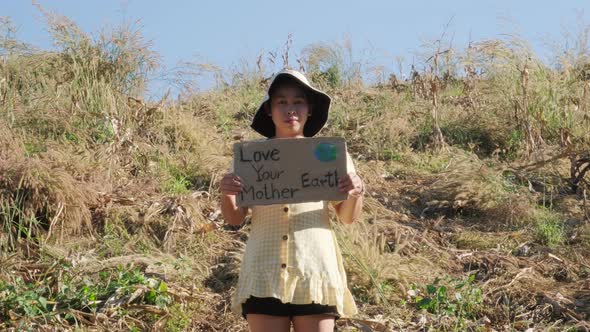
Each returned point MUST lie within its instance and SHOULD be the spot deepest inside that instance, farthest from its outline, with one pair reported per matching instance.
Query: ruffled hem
(309, 289)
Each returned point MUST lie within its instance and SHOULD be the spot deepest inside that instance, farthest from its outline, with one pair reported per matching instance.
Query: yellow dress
(292, 255)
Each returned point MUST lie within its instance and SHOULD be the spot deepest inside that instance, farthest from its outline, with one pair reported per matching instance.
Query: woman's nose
(291, 110)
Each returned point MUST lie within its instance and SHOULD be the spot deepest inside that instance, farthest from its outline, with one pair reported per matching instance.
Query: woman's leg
(314, 323)
(268, 323)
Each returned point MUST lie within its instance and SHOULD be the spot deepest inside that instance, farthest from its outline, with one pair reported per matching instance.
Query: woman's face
(289, 111)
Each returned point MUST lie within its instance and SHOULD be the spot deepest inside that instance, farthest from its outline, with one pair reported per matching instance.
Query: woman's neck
(279, 135)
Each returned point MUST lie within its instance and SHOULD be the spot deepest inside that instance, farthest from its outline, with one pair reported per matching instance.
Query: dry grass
(96, 182)
(45, 194)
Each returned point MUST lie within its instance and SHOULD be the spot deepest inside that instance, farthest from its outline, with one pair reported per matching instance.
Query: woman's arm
(348, 211)
(231, 185)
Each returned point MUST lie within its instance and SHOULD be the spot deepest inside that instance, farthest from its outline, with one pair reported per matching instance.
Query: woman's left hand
(351, 184)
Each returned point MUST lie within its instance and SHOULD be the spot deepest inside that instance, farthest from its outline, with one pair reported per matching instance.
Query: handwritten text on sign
(290, 170)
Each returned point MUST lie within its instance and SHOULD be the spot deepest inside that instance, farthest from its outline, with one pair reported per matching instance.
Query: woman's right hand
(231, 184)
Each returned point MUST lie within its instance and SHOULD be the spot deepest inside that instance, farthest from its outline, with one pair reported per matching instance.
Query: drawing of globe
(326, 152)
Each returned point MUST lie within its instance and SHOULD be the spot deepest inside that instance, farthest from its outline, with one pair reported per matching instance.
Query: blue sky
(230, 34)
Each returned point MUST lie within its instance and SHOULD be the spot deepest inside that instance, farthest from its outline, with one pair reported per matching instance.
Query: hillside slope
(476, 215)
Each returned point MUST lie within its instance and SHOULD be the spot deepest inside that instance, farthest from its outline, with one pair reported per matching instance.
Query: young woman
(292, 270)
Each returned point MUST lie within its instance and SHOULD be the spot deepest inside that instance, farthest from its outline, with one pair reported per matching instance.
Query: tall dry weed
(469, 187)
(57, 202)
(379, 265)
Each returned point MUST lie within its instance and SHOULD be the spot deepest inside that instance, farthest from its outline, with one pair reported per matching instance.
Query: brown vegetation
(476, 217)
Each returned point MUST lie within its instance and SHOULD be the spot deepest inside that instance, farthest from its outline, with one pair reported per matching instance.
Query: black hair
(288, 80)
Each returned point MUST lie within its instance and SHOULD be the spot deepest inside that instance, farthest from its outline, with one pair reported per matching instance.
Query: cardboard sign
(290, 170)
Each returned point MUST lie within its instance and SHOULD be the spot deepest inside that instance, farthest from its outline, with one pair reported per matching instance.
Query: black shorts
(274, 307)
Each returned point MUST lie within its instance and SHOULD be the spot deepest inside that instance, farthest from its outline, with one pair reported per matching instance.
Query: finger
(231, 181)
(352, 176)
(235, 183)
(232, 184)
(231, 192)
(231, 187)
(345, 189)
(344, 180)
(344, 184)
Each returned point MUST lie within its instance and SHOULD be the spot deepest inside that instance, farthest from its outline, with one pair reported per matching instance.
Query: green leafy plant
(449, 297)
(33, 299)
(23, 298)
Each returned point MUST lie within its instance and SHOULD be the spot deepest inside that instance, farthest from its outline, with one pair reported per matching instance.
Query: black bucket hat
(263, 124)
